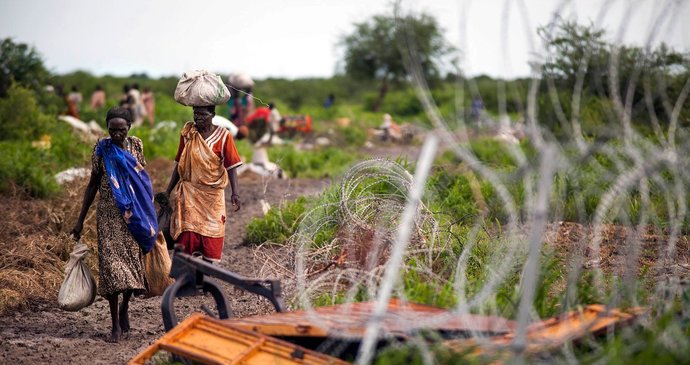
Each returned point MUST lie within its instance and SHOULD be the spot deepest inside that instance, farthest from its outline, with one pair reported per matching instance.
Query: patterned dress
(119, 257)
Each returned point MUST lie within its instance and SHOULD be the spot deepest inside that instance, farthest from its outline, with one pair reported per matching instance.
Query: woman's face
(202, 117)
(118, 129)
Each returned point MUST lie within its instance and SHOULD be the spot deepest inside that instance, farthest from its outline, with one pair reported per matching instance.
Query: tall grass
(316, 163)
(25, 167)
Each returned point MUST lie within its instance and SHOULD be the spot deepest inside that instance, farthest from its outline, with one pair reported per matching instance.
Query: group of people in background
(141, 105)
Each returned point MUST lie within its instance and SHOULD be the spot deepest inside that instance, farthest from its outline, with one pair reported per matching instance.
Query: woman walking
(126, 218)
(206, 160)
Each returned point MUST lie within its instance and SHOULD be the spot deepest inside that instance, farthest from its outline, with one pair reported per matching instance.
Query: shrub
(318, 163)
(31, 169)
(159, 142)
(277, 225)
(353, 136)
(26, 168)
(20, 63)
(20, 116)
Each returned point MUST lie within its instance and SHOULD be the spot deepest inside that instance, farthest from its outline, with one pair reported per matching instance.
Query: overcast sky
(298, 38)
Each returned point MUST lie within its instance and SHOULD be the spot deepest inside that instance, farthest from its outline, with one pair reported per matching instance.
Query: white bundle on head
(201, 88)
(240, 80)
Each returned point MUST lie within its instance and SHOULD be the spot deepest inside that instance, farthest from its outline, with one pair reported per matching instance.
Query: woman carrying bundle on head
(205, 162)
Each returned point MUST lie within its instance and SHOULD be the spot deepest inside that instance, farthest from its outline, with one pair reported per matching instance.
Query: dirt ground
(43, 334)
(46, 334)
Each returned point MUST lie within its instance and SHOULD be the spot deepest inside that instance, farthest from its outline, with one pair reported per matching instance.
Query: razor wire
(367, 259)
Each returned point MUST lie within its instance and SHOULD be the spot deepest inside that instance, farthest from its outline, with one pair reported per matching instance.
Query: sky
(299, 38)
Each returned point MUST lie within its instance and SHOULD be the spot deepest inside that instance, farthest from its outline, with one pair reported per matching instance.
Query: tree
(20, 63)
(581, 52)
(377, 49)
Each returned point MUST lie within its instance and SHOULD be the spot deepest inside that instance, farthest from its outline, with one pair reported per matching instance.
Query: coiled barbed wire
(632, 168)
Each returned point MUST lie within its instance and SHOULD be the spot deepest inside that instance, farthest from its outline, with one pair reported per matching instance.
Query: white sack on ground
(95, 128)
(71, 174)
(75, 123)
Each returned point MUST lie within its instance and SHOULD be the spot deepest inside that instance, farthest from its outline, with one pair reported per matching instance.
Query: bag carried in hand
(164, 215)
(78, 290)
(157, 265)
(201, 88)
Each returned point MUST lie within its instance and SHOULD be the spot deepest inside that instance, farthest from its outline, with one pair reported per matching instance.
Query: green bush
(22, 64)
(352, 136)
(402, 103)
(32, 170)
(21, 117)
(27, 169)
(277, 225)
(317, 163)
(159, 142)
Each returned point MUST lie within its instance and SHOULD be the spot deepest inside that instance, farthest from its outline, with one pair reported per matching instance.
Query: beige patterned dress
(119, 257)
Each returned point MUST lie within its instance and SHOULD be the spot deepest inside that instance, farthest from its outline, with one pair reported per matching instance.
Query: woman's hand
(127, 215)
(235, 199)
(76, 231)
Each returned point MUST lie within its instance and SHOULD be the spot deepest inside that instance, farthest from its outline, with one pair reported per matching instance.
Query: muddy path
(48, 335)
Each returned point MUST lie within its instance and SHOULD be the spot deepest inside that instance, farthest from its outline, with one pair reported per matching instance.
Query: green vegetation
(278, 224)
(27, 168)
(20, 64)
(366, 59)
(468, 213)
(318, 163)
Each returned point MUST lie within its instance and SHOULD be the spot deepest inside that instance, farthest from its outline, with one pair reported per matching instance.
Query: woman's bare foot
(115, 335)
(123, 312)
(124, 322)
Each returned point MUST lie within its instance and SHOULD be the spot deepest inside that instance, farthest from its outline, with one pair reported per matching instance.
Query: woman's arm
(89, 195)
(174, 178)
(235, 197)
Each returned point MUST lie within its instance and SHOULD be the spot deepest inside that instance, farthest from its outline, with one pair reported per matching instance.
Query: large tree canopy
(377, 48)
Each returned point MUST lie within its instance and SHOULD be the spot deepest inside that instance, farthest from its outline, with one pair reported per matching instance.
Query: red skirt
(211, 248)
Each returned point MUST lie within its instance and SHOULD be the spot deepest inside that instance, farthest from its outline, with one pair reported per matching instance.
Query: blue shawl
(132, 191)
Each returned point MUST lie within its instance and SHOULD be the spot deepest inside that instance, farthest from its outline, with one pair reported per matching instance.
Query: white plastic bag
(201, 88)
(225, 123)
(78, 290)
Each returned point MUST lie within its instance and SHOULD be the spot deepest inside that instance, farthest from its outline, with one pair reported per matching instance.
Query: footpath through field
(47, 335)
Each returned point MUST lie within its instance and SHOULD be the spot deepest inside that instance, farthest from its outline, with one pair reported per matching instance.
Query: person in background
(124, 222)
(237, 112)
(390, 130)
(329, 101)
(98, 98)
(477, 108)
(273, 121)
(75, 98)
(149, 101)
(247, 102)
(206, 159)
(126, 100)
(137, 107)
(70, 108)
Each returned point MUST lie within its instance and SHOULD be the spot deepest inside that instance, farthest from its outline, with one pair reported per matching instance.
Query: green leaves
(20, 63)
